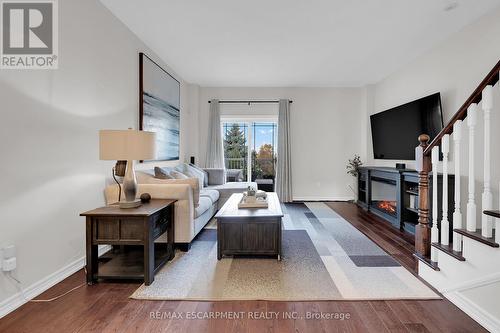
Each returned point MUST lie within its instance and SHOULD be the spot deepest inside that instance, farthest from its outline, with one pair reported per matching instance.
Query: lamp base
(130, 204)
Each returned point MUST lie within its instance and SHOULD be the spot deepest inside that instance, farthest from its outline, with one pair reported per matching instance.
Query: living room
(327, 66)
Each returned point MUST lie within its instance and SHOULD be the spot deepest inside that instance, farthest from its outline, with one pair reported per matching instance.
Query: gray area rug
(324, 258)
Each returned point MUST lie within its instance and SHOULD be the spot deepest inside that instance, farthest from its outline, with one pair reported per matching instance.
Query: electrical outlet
(8, 258)
(9, 264)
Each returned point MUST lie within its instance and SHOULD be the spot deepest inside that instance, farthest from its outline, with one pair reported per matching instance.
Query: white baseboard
(477, 313)
(20, 298)
(482, 281)
(315, 198)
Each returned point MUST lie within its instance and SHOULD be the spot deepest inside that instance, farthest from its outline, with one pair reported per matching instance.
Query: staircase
(466, 267)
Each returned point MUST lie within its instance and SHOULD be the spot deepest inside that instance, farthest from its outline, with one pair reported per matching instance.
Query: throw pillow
(205, 173)
(196, 173)
(162, 174)
(191, 172)
(178, 175)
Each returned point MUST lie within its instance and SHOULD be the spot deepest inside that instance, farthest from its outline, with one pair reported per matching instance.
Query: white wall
(326, 132)
(454, 68)
(49, 138)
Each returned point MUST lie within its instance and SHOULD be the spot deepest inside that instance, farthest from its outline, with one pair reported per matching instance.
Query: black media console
(392, 194)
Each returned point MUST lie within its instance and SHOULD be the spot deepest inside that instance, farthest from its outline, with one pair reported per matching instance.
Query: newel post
(423, 167)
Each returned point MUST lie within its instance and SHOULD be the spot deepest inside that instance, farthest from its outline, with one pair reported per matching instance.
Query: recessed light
(450, 6)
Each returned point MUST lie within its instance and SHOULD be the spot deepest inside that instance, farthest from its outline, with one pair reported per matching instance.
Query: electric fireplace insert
(384, 198)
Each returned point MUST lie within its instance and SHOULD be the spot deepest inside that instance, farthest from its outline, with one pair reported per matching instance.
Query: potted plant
(353, 170)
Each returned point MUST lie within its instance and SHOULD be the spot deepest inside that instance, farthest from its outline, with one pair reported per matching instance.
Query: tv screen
(395, 131)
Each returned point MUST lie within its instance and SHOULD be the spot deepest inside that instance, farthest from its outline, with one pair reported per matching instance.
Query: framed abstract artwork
(159, 107)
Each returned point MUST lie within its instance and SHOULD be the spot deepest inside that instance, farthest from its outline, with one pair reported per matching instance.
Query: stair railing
(427, 160)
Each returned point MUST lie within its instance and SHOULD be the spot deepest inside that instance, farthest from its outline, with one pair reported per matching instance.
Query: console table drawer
(160, 224)
(116, 230)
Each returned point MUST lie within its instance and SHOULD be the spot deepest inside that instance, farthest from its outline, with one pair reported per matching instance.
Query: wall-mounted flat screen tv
(395, 131)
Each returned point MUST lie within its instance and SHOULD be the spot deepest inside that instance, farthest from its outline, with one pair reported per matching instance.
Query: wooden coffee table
(249, 231)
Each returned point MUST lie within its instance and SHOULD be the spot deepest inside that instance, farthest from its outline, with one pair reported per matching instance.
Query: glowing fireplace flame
(388, 206)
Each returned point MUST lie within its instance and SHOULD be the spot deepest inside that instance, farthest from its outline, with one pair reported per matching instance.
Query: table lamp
(128, 145)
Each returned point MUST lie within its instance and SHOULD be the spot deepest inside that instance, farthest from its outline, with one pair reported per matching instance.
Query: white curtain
(284, 162)
(215, 150)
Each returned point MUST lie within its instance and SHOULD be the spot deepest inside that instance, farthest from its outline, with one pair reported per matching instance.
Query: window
(250, 151)
(263, 152)
(236, 151)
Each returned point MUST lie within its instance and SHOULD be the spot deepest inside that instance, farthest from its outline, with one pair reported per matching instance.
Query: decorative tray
(257, 203)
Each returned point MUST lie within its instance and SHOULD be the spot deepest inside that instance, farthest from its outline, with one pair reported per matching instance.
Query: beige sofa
(196, 204)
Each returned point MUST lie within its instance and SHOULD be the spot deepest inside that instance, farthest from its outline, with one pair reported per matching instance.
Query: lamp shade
(127, 145)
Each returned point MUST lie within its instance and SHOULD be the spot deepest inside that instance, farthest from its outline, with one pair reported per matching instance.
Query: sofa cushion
(227, 189)
(216, 176)
(162, 173)
(192, 172)
(178, 175)
(145, 177)
(145, 173)
(234, 175)
(212, 194)
(205, 204)
(201, 221)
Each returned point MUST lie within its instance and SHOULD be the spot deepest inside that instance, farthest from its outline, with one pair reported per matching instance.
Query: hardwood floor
(105, 307)
(398, 244)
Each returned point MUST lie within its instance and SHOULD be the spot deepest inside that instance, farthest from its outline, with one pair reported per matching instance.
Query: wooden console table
(137, 227)
(405, 183)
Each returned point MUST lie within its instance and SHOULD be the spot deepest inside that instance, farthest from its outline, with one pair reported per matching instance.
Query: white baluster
(445, 224)
(471, 203)
(457, 214)
(434, 230)
(487, 197)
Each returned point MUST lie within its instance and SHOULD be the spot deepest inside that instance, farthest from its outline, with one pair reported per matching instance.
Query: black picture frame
(173, 106)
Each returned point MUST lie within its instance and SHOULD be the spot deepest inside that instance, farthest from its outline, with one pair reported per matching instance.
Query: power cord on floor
(62, 295)
(57, 297)
(43, 300)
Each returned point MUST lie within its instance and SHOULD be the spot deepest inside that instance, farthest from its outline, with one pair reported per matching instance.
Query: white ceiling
(263, 43)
